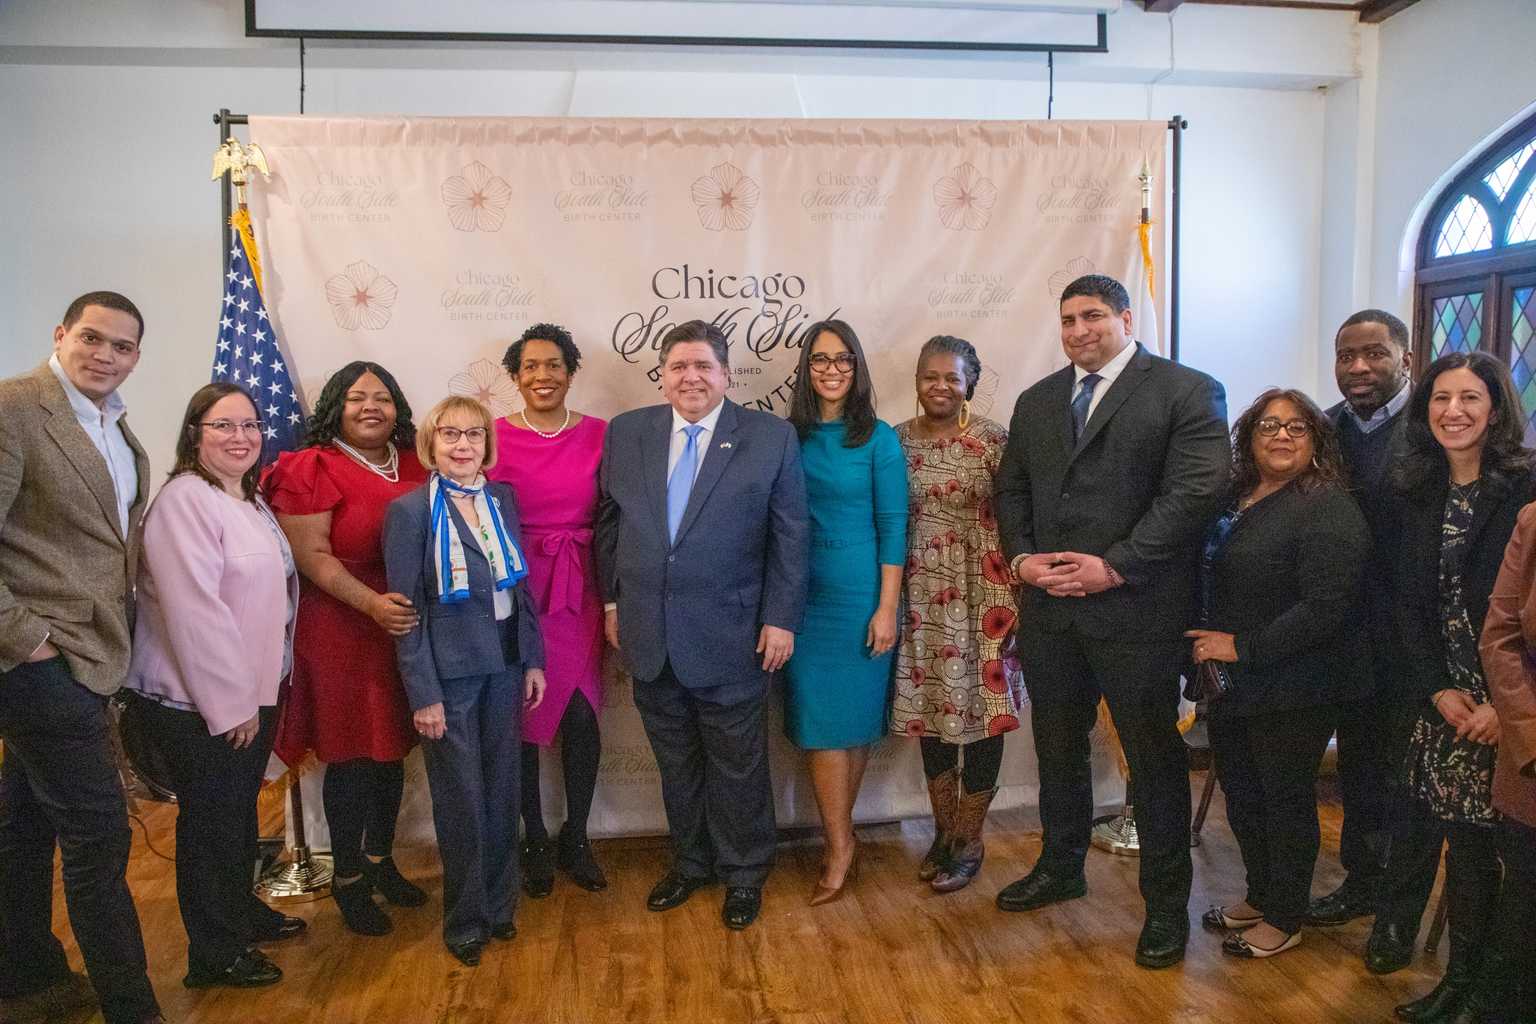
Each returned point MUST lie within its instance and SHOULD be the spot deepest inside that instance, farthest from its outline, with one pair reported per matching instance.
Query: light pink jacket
(213, 604)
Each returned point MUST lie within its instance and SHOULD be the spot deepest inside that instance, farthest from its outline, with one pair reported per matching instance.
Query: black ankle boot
(574, 856)
(391, 884)
(1468, 928)
(362, 915)
(538, 868)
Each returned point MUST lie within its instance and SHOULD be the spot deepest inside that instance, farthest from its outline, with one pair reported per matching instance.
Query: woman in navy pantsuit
(470, 663)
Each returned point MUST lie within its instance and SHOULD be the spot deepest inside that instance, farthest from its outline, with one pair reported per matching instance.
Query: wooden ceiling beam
(1373, 12)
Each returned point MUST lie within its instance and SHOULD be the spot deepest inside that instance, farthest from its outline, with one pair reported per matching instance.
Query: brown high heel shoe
(824, 894)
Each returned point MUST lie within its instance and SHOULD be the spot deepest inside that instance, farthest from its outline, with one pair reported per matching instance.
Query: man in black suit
(1114, 467)
(703, 545)
(1372, 363)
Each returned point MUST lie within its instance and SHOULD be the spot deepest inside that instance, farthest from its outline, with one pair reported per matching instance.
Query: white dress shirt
(1380, 417)
(104, 427)
(680, 439)
(1107, 374)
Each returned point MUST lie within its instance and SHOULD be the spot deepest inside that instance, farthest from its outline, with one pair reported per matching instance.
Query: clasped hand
(1476, 722)
(431, 722)
(1066, 573)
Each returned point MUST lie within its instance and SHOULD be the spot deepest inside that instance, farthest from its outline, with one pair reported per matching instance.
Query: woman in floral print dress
(952, 689)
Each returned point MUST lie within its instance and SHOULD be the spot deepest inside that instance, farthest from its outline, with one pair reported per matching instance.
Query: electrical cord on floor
(147, 841)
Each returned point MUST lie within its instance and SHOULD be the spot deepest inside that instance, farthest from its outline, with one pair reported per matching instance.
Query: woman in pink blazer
(213, 640)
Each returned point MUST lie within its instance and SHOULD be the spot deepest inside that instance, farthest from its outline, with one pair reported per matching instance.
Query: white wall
(108, 138)
(1452, 76)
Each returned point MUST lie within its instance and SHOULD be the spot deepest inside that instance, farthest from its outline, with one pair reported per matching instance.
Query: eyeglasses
(474, 435)
(1269, 427)
(844, 361)
(228, 428)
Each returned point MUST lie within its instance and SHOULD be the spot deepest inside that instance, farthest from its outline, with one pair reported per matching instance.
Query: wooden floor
(891, 952)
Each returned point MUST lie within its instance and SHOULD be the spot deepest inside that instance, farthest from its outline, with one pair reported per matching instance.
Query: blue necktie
(1081, 403)
(681, 483)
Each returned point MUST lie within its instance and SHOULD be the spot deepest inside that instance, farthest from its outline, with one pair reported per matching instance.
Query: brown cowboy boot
(967, 852)
(943, 794)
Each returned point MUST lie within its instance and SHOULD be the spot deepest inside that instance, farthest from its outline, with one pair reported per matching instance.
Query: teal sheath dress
(836, 695)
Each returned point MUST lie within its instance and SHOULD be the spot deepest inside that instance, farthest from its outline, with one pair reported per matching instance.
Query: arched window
(1477, 265)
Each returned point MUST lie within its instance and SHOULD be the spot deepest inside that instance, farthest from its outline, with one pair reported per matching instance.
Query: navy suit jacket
(741, 559)
(461, 639)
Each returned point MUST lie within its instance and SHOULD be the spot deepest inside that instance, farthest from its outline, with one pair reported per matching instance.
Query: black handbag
(1213, 681)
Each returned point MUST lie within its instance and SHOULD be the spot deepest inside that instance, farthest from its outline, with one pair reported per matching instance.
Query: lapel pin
(725, 444)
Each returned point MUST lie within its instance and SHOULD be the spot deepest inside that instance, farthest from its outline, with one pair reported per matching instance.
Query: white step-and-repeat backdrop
(429, 244)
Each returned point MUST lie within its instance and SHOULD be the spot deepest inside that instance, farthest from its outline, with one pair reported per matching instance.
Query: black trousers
(714, 778)
(1372, 742)
(1514, 935)
(473, 774)
(59, 786)
(1067, 674)
(1267, 765)
(216, 787)
(1472, 869)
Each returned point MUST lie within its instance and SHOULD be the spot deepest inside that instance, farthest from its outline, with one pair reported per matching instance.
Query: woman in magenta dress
(549, 455)
(346, 701)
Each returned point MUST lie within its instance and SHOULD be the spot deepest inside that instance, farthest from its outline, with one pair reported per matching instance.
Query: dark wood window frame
(1496, 272)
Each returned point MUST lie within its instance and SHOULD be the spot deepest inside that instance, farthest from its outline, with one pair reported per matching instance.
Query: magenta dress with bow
(555, 480)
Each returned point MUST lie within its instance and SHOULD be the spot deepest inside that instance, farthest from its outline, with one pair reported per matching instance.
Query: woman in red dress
(347, 703)
(549, 456)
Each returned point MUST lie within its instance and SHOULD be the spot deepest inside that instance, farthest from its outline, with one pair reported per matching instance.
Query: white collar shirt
(1107, 375)
(104, 427)
(1381, 416)
(680, 439)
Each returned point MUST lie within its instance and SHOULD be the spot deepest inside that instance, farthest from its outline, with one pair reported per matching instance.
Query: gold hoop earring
(965, 414)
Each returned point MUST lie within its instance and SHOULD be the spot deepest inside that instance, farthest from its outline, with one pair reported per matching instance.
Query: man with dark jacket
(1372, 363)
(1114, 467)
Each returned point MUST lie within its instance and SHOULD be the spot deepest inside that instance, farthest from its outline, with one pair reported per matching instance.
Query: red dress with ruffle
(345, 699)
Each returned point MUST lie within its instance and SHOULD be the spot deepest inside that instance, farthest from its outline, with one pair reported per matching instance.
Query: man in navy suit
(702, 555)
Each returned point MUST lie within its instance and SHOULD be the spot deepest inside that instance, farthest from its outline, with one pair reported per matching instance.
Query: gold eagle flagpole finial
(239, 161)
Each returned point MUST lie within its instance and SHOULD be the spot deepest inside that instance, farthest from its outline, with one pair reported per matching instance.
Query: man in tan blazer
(73, 483)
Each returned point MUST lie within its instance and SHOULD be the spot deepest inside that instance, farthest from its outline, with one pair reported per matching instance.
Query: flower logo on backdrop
(965, 199)
(476, 199)
(361, 297)
(1075, 268)
(725, 198)
(488, 384)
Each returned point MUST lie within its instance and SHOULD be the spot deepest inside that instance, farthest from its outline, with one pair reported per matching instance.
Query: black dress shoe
(362, 915)
(538, 868)
(1390, 947)
(505, 932)
(1351, 900)
(673, 890)
(247, 971)
(575, 859)
(1162, 939)
(742, 902)
(279, 929)
(467, 953)
(1040, 888)
(391, 884)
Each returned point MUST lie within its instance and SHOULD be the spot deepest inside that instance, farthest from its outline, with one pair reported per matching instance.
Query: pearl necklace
(523, 415)
(389, 471)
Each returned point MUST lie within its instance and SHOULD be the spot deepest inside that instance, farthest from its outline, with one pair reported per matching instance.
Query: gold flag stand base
(1116, 833)
(304, 878)
(301, 877)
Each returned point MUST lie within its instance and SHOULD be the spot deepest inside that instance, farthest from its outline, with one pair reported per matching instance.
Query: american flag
(248, 355)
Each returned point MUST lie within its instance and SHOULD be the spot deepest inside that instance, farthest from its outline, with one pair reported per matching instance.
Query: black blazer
(1137, 489)
(1288, 586)
(463, 638)
(1416, 578)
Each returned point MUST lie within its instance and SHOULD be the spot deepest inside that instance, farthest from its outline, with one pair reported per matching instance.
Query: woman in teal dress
(838, 681)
